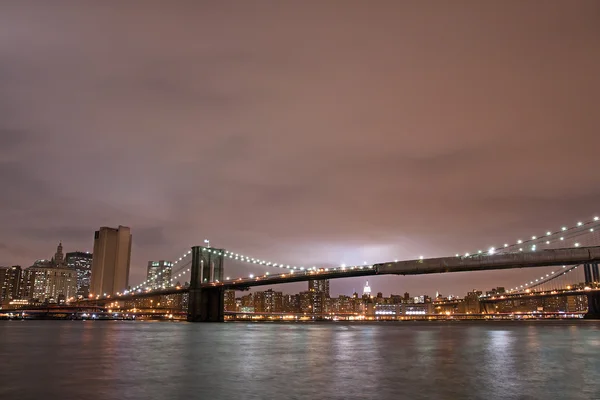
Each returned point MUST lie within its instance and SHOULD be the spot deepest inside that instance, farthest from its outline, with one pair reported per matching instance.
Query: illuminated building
(387, 311)
(273, 301)
(259, 302)
(230, 303)
(291, 303)
(318, 292)
(10, 278)
(416, 309)
(319, 286)
(305, 301)
(577, 303)
(81, 262)
(342, 305)
(49, 284)
(158, 274)
(367, 290)
(247, 300)
(472, 304)
(112, 256)
(421, 299)
(268, 301)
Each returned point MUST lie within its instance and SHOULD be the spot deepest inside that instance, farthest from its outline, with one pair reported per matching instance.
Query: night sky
(299, 132)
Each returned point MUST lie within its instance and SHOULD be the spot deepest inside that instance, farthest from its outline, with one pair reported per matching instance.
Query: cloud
(307, 134)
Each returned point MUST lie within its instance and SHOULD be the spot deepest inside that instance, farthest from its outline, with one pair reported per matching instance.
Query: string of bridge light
(543, 279)
(544, 238)
(241, 257)
(251, 260)
(182, 258)
(492, 250)
(229, 254)
(292, 268)
(522, 244)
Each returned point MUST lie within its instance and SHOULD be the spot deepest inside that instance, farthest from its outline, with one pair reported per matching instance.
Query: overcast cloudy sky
(302, 132)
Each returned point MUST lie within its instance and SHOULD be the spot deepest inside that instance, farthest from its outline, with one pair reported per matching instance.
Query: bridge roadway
(530, 259)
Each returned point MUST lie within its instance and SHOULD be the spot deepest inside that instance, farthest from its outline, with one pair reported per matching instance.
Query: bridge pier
(593, 300)
(206, 303)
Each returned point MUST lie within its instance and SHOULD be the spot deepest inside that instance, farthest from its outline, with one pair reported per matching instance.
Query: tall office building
(112, 257)
(81, 262)
(10, 278)
(158, 275)
(318, 290)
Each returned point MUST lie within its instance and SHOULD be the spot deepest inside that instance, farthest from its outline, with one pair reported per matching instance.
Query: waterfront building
(81, 262)
(52, 285)
(247, 300)
(472, 305)
(158, 274)
(318, 293)
(417, 309)
(273, 301)
(305, 302)
(111, 262)
(259, 301)
(291, 303)
(342, 305)
(229, 300)
(10, 278)
(577, 304)
(387, 311)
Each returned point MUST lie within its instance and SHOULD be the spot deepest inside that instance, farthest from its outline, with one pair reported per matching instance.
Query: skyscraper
(318, 292)
(319, 286)
(10, 278)
(112, 256)
(81, 262)
(159, 274)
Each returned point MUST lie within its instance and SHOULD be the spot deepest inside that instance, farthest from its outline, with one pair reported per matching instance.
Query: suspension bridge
(573, 250)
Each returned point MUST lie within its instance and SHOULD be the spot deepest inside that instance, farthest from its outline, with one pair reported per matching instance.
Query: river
(105, 360)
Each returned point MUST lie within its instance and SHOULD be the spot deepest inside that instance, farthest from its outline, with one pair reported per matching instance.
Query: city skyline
(317, 146)
(164, 267)
(288, 288)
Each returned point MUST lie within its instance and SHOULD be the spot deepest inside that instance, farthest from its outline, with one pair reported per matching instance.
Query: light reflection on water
(410, 360)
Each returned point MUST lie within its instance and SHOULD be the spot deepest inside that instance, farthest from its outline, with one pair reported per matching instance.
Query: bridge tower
(206, 304)
(591, 274)
(592, 278)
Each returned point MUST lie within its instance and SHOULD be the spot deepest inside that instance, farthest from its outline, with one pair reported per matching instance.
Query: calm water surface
(137, 360)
